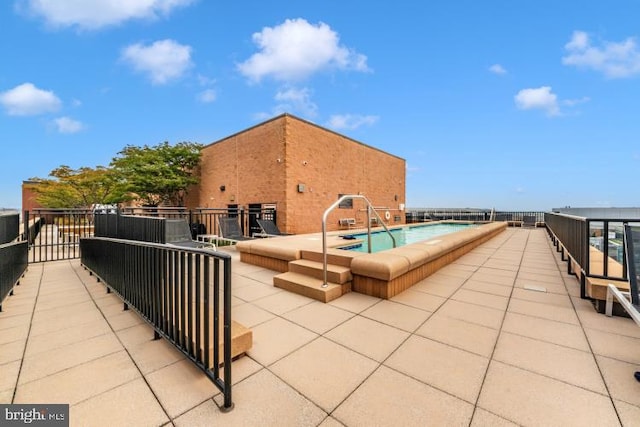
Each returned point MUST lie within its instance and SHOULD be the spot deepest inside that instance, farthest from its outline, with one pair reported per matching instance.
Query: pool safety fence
(54, 234)
(185, 294)
(13, 264)
(9, 226)
(595, 245)
(482, 215)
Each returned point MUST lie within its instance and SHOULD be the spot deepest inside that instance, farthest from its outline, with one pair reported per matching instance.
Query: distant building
(300, 169)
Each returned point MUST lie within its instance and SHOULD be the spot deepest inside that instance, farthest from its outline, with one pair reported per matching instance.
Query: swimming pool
(381, 241)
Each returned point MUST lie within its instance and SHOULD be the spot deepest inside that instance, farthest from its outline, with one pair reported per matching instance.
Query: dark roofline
(284, 115)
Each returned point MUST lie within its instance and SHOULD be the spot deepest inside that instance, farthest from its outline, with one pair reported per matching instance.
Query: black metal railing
(177, 291)
(606, 257)
(13, 264)
(131, 227)
(573, 232)
(9, 226)
(595, 244)
(632, 248)
(31, 229)
(207, 220)
(434, 214)
(54, 234)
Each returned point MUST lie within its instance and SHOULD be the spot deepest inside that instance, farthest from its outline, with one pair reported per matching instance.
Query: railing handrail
(631, 264)
(580, 218)
(13, 264)
(324, 229)
(177, 290)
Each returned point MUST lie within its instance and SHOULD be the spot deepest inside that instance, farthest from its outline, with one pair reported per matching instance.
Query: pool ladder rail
(370, 209)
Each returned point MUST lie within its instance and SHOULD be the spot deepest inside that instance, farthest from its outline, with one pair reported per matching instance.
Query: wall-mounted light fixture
(300, 188)
(279, 160)
(305, 163)
(222, 188)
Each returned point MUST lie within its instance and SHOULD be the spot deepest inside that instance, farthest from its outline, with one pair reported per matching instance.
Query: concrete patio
(472, 344)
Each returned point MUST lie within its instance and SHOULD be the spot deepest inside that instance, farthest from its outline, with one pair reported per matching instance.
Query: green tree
(78, 188)
(158, 174)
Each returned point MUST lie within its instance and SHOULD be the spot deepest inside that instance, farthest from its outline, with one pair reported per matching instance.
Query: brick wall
(268, 162)
(29, 196)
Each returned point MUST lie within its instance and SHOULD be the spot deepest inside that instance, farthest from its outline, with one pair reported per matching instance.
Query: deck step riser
(310, 287)
(316, 271)
(344, 261)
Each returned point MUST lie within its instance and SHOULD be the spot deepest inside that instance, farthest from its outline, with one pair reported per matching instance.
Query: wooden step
(332, 257)
(335, 273)
(311, 287)
(241, 341)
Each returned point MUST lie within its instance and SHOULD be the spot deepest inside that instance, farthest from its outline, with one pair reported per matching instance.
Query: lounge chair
(529, 221)
(630, 301)
(269, 229)
(178, 233)
(230, 229)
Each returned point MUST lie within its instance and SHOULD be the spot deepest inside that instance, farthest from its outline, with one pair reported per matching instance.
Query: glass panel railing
(632, 243)
(596, 248)
(615, 250)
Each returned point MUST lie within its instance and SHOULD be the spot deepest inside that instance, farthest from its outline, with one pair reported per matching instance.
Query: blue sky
(517, 105)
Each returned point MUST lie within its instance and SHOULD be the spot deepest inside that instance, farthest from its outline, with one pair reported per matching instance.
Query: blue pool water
(381, 241)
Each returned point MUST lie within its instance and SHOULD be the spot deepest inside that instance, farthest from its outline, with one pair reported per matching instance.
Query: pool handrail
(324, 229)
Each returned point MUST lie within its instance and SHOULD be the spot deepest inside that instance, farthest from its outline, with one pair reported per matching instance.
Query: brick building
(29, 195)
(300, 169)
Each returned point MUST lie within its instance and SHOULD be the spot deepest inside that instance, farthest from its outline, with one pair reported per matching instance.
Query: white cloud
(96, 14)
(28, 100)
(577, 101)
(207, 96)
(68, 125)
(296, 100)
(297, 49)
(579, 41)
(350, 121)
(538, 98)
(613, 59)
(162, 61)
(497, 69)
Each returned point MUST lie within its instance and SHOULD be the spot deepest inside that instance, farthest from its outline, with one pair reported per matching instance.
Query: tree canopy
(153, 175)
(158, 174)
(74, 188)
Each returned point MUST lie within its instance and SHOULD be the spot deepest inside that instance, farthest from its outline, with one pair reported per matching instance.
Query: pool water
(381, 241)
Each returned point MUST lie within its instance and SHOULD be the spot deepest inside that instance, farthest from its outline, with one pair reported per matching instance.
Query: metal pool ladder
(324, 229)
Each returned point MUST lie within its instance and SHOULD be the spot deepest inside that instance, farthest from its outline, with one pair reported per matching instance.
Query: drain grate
(535, 288)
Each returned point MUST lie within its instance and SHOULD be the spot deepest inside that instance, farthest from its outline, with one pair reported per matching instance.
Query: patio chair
(630, 301)
(230, 229)
(178, 233)
(269, 229)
